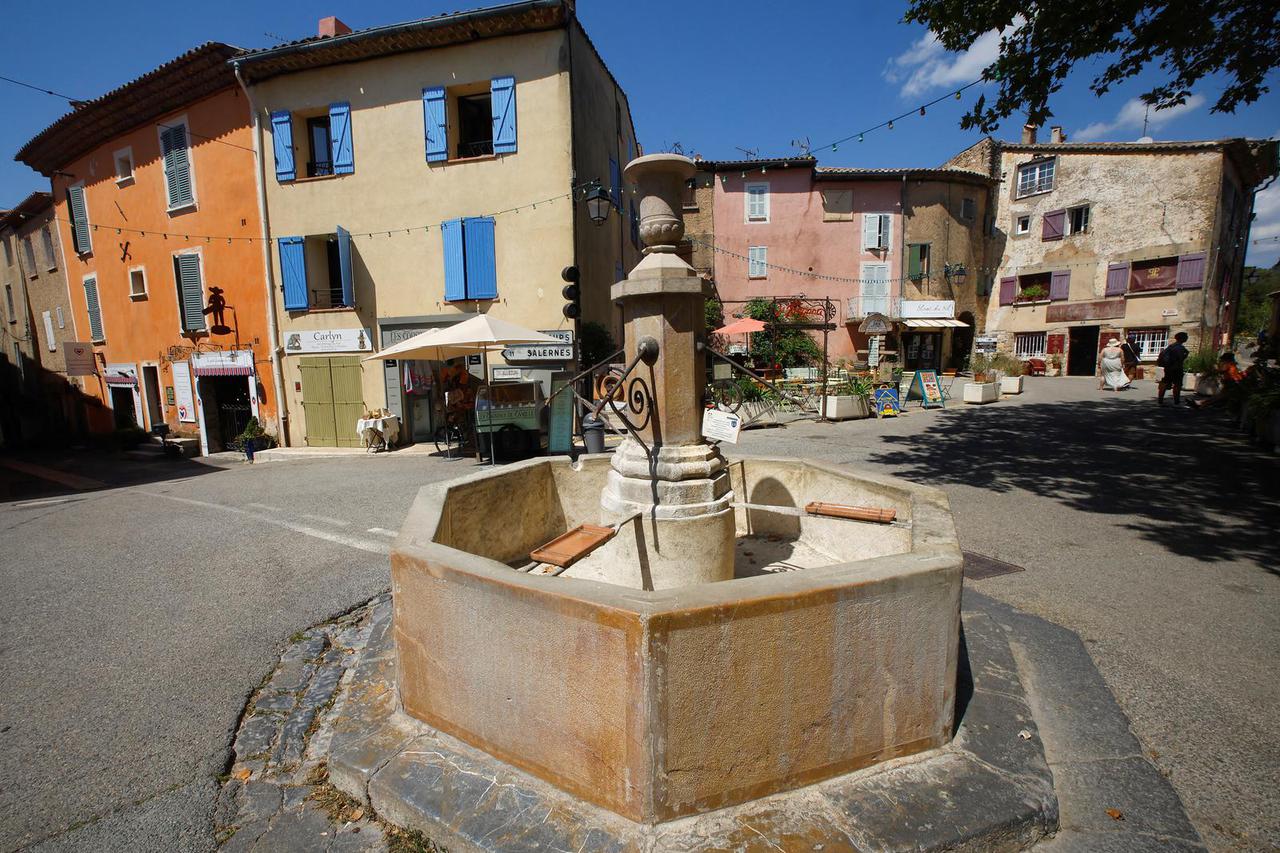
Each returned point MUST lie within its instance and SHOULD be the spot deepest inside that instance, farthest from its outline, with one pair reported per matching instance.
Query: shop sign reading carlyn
(329, 340)
(543, 352)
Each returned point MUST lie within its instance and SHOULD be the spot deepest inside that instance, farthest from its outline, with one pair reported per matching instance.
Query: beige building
(35, 320)
(1095, 240)
(416, 174)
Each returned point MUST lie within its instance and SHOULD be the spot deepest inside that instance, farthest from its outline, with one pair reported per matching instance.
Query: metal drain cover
(980, 567)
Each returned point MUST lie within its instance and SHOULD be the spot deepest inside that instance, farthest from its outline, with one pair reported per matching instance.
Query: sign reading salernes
(543, 352)
(329, 340)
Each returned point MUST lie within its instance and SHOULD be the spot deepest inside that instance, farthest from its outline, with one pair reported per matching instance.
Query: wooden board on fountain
(857, 513)
(568, 548)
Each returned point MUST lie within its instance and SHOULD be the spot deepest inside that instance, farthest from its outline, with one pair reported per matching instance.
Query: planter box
(1189, 381)
(1010, 384)
(846, 407)
(1207, 386)
(981, 392)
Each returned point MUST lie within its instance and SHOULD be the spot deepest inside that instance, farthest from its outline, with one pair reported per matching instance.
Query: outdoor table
(388, 428)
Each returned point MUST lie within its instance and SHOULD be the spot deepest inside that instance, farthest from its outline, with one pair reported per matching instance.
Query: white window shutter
(886, 231)
(870, 231)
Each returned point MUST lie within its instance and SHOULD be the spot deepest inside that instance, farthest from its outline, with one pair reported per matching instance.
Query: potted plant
(1200, 367)
(1010, 370)
(1032, 293)
(848, 399)
(985, 387)
(1054, 367)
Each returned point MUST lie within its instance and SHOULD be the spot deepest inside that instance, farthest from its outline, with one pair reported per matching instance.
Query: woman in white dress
(1111, 367)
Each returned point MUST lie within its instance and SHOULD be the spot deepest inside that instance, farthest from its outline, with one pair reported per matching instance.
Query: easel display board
(926, 384)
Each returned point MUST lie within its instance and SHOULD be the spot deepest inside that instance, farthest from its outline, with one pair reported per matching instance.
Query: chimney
(1029, 134)
(1056, 134)
(330, 27)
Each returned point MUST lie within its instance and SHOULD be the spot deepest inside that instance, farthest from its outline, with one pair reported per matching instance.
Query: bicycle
(452, 433)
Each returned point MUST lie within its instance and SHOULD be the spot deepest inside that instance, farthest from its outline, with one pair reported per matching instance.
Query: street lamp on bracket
(598, 204)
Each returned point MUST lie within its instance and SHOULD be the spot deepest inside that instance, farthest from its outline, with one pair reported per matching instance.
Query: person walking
(1172, 358)
(1129, 349)
(1111, 373)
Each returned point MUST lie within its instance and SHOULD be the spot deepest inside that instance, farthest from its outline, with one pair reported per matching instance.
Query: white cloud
(1266, 206)
(926, 66)
(1130, 119)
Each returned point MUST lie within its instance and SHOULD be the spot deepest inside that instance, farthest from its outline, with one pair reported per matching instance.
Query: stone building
(419, 173)
(1095, 240)
(35, 320)
(699, 223)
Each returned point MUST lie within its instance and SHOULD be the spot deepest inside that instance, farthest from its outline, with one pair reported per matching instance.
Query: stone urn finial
(660, 178)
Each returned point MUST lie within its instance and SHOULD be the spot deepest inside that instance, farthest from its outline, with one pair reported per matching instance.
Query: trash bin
(593, 433)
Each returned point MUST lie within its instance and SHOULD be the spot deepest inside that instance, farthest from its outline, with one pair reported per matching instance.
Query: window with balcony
(480, 117)
(316, 271)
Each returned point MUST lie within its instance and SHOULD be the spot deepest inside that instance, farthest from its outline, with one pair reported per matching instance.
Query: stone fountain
(724, 645)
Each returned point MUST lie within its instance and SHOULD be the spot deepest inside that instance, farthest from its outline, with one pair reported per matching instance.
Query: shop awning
(935, 324)
(198, 369)
(120, 379)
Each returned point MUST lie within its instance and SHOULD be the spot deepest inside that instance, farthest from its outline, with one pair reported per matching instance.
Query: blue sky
(715, 76)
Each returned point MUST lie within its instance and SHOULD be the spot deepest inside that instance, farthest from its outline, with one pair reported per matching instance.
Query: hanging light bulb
(859, 137)
(891, 125)
(834, 149)
(922, 111)
(957, 96)
(764, 170)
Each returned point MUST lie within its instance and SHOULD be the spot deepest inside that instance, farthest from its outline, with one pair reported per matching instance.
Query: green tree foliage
(596, 343)
(1254, 311)
(1041, 42)
(778, 344)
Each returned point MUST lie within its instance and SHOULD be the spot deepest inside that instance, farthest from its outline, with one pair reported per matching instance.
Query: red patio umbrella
(741, 327)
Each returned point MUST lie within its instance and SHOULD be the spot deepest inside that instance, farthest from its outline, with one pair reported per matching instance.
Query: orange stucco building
(156, 204)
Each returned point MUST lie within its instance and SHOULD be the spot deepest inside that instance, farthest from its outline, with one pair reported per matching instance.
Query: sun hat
(1114, 342)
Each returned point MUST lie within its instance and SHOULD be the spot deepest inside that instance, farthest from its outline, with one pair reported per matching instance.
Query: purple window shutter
(1191, 271)
(1060, 285)
(1117, 279)
(1053, 224)
(1008, 289)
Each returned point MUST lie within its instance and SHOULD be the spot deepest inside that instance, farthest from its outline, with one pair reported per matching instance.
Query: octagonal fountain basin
(832, 649)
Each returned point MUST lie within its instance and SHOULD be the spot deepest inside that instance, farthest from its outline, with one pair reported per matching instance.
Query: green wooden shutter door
(348, 398)
(913, 261)
(317, 402)
(190, 292)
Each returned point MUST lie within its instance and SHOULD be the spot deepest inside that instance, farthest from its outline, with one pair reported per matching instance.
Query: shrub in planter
(983, 368)
(253, 432)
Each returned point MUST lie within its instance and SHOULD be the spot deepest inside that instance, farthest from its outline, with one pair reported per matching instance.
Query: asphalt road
(139, 615)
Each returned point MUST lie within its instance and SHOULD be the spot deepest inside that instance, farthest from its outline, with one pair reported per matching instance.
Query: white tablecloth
(389, 427)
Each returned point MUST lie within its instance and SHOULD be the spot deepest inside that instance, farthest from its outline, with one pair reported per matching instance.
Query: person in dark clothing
(1129, 352)
(1172, 358)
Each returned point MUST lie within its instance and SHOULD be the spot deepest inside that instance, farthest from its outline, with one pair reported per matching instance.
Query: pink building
(790, 228)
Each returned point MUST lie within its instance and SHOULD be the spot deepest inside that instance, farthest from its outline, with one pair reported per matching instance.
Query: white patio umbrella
(478, 334)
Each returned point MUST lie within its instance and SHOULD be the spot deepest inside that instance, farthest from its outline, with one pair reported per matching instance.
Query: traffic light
(573, 296)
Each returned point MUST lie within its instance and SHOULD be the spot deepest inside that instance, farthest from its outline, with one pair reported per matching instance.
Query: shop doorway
(1082, 351)
(332, 400)
(922, 350)
(151, 386)
(122, 407)
(226, 406)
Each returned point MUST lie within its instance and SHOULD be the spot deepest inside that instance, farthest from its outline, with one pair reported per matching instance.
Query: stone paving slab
(1020, 755)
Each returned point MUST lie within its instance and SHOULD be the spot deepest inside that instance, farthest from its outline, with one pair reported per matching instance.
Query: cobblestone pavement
(275, 798)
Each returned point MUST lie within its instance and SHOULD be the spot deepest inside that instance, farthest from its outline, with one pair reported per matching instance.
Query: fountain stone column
(672, 477)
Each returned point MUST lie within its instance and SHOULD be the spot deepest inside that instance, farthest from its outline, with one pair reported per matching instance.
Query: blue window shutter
(455, 261)
(177, 166)
(282, 134)
(79, 223)
(615, 184)
(293, 273)
(434, 124)
(344, 264)
(482, 267)
(502, 100)
(1060, 285)
(95, 310)
(344, 158)
(190, 292)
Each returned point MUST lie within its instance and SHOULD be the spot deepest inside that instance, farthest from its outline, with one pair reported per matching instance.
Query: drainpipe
(273, 326)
